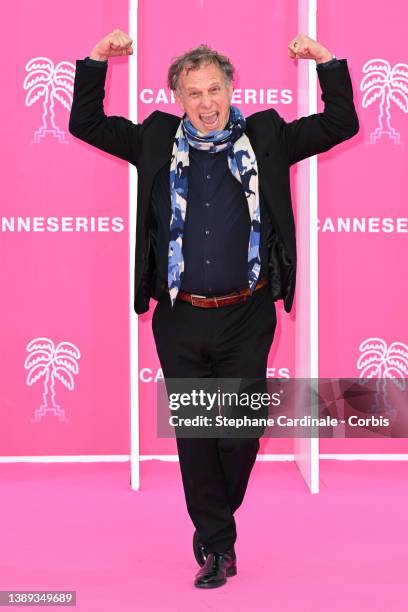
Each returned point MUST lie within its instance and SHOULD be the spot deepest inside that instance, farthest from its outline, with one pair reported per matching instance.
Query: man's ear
(178, 99)
(231, 91)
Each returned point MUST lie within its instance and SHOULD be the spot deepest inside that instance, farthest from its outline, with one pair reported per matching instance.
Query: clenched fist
(304, 47)
(113, 45)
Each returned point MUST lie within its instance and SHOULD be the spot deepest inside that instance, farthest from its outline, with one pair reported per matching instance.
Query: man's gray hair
(195, 58)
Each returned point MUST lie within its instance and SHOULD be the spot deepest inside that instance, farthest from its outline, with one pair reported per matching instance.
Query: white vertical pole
(314, 255)
(134, 326)
(307, 358)
(313, 218)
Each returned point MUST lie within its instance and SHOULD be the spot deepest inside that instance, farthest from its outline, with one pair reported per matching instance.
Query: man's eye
(215, 90)
(193, 94)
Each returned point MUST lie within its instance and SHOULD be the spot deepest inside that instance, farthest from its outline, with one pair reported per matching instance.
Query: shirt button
(207, 232)
(207, 261)
(208, 176)
(207, 204)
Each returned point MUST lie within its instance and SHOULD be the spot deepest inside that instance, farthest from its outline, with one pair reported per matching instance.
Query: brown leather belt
(223, 300)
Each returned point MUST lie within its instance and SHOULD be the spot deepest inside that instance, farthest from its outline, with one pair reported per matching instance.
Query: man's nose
(205, 101)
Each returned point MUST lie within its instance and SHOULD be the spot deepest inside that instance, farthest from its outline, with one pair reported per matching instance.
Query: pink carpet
(80, 527)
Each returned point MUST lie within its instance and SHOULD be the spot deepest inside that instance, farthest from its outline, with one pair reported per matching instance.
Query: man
(215, 242)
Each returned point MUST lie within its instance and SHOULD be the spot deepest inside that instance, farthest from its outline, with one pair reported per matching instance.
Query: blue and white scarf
(243, 165)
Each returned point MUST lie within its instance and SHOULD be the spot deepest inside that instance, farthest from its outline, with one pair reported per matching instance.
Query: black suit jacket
(277, 145)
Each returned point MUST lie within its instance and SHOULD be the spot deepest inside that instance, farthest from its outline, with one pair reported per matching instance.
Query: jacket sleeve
(320, 132)
(88, 122)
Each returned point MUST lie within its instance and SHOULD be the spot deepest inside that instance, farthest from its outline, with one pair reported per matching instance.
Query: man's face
(205, 97)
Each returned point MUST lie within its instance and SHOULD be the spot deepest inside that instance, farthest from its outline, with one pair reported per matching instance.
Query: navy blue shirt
(216, 230)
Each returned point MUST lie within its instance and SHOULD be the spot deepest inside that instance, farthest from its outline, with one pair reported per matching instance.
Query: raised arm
(319, 132)
(88, 122)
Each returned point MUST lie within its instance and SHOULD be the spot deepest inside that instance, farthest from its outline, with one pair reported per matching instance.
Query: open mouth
(209, 119)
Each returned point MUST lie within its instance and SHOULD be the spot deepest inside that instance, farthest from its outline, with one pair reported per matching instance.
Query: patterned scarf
(243, 165)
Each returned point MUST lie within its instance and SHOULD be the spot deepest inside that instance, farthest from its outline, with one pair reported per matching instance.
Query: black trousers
(228, 342)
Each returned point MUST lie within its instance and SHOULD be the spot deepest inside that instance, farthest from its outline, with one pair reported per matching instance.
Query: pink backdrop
(363, 289)
(70, 286)
(263, 69)
(66, 286)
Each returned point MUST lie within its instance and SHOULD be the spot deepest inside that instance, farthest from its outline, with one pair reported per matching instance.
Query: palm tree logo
(53, 84)
(388, 85)
(50, 362)
(377, 360)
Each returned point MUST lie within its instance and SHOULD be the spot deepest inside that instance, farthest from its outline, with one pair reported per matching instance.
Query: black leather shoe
(200, 552)
(217, 568)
